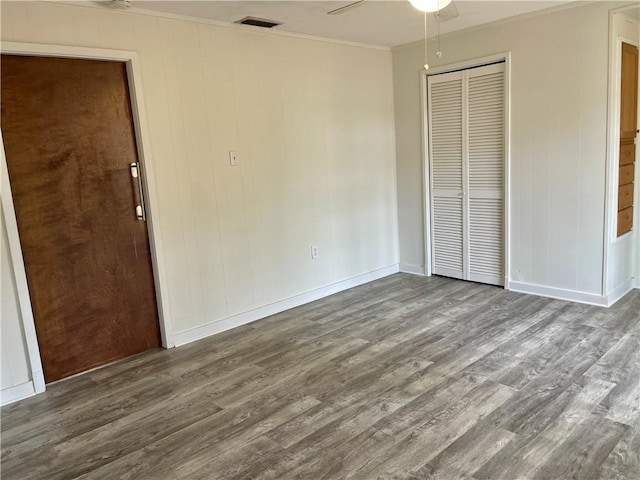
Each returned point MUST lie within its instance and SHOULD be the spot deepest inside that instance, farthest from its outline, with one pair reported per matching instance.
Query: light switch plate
(233, 159)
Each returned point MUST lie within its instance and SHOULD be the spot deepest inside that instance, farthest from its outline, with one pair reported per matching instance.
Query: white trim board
(576, 296)
(620, 292)
(17, 392)
(203, 331)
(219, 23)
(558, 293)
(20, 275)
(413, 269)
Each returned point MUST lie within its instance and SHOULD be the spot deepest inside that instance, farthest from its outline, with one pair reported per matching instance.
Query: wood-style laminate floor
(404, 378)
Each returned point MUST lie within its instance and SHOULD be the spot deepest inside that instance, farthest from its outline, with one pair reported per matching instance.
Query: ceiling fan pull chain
(439, 52)
(426, 57)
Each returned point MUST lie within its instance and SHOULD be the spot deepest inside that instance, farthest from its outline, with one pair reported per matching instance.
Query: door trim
(20, 278)
(617, 36)
(131, 60)
(426, 164)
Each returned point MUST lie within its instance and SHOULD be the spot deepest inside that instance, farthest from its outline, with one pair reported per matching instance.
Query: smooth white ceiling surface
(375, 22)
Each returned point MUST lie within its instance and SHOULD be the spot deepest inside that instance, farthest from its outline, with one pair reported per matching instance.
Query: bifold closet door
(447, 190)
(466, 139)
(486, 174)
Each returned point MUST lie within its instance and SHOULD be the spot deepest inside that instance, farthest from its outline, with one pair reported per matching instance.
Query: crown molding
(502, 21)
(214, 23)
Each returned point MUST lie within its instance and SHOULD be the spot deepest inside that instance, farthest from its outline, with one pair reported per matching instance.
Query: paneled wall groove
(203, 33)
(558, 104)
(312, 123)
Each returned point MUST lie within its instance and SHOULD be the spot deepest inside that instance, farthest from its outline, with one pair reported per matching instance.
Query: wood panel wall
(558, 142)
(312, 123)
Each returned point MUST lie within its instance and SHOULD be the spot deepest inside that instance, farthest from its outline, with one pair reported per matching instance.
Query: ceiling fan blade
(344, 8)
(448, 13)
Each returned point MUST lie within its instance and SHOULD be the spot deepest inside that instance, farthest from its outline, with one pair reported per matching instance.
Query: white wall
(559, 69)
(312, 122)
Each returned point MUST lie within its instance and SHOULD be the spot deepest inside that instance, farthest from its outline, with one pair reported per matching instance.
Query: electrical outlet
(314, 252)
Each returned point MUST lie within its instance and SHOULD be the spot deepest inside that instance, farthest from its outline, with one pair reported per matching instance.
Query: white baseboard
(620, 291)
(413, 269)
(559, 293)
(38, 381)
(636, 282)
(17, 392)
(203, 331)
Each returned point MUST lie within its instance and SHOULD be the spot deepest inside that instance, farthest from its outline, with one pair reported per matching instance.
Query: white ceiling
(633, 13)
(375, 22)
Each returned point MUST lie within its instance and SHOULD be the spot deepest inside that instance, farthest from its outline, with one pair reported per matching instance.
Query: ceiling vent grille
(258, 22)
(120, 4)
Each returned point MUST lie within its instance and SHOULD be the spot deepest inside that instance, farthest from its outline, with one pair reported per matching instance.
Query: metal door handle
(135, 174)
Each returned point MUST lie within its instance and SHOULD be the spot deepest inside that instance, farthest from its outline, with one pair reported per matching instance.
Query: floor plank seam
(405, 377)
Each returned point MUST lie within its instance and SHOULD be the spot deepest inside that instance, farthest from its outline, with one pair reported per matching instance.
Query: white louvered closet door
(486, 174)
(447, 182)
(466, 135)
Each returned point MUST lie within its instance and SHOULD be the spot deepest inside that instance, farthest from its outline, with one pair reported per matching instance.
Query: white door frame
(617, 36)
(426, 190)
(144, 156)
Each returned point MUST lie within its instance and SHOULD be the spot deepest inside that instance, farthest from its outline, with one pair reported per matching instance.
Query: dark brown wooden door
(69, 140)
